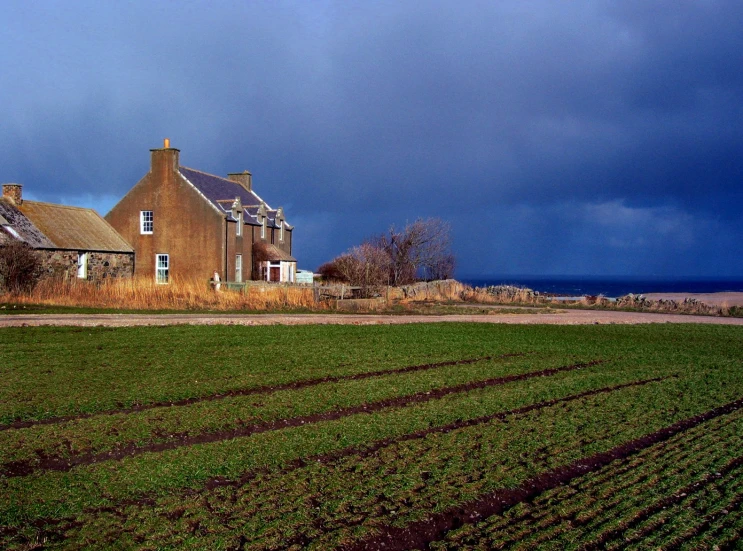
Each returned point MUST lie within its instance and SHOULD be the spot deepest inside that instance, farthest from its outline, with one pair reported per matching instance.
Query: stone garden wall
(101, 265)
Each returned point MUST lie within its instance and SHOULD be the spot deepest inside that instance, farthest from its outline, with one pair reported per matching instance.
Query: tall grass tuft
(179, 294)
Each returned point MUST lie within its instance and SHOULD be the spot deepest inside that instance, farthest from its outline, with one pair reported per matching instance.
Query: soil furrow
(361, 452)
(56, 463)
(267, 389)
(367, 451)
(419, 534)
(678, 496)
(704, 523)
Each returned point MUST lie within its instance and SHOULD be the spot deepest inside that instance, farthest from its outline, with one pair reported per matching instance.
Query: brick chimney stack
(244, 178)
(14, 192)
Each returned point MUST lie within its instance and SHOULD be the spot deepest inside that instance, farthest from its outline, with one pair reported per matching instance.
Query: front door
(275, 273)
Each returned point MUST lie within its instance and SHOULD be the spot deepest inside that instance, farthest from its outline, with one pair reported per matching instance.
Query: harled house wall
(242, 245)
(197, 238)
(185, 226)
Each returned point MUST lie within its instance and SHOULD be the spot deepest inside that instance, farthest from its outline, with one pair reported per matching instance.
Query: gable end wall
(186, 226)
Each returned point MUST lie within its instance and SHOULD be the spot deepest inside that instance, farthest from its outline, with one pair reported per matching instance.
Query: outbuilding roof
(73, 228)
(14, 225)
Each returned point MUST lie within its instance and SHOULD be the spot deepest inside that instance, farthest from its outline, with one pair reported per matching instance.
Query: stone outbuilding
(73, 242)
(187, 224)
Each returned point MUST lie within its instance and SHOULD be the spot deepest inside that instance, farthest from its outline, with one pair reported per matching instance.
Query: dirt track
(562, 317)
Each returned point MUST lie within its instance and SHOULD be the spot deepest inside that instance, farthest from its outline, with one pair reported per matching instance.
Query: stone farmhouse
(184, 223)
(73, 242)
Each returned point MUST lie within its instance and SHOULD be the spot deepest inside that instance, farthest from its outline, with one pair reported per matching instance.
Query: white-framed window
(146, 221)
(12, 231)
(162, 268)
(281, 230)
(238, 268)
(239, 230)
(82, 265)
(263, 228)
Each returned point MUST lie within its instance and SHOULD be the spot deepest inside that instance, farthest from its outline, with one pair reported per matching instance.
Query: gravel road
(561, 317)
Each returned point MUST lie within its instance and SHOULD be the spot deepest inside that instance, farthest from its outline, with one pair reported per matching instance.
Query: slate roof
(273, 253)
(221, 193)
(73, 228)
(13, 221)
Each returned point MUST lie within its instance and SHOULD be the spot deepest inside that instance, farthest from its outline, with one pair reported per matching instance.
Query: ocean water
(607, 286)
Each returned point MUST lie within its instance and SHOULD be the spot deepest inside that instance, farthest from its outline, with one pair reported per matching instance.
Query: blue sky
(557, 137)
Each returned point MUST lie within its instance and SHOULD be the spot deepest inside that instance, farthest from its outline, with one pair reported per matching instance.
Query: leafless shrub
(20, 267)
(366, 266)
(330, 272)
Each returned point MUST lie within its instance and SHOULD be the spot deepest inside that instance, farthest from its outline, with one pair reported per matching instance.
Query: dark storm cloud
(582, 136)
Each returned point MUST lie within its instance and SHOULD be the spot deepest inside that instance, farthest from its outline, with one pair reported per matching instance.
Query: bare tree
(346, 266)
(399, 257)
(20, 266)
(374, 264)
(442, 267)
(420, 250)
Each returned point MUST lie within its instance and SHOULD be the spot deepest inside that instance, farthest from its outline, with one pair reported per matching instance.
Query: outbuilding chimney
(14, 192)
(244, 178)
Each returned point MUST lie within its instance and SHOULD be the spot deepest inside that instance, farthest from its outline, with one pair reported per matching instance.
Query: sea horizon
(608, 286)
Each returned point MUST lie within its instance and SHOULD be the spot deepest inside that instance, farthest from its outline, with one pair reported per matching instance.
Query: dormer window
(237, 214)
(281, 230)
(146, 222)
(263, 228)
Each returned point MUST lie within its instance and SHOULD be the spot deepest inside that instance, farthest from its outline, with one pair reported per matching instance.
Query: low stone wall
(101, 265)
(687, 306)
(513, 294)
(444, 289)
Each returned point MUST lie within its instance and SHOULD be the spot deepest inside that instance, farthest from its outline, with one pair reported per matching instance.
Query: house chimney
(165, 159)
(14, 192)
(244, 178)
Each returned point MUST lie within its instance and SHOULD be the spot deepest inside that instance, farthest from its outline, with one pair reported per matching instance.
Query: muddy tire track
(419, 534)
(266, 389)
(55, 463)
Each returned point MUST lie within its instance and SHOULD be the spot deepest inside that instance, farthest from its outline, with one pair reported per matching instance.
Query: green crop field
(431, 436)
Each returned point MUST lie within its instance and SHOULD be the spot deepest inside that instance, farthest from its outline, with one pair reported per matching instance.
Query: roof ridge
(208, 174)
(60, 205)
(221, 179)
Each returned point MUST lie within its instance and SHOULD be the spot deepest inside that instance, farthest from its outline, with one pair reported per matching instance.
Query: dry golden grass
(145, 294)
